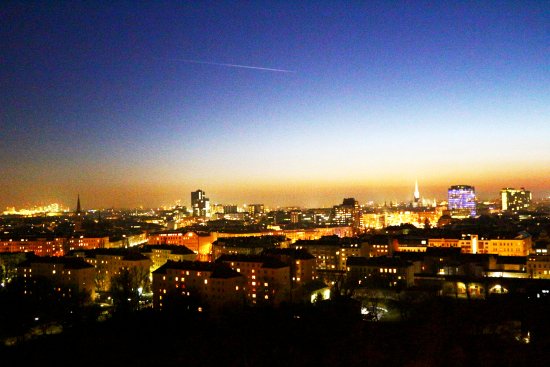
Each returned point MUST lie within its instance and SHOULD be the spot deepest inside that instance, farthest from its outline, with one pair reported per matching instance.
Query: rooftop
(179, 250)
(267, 262)
(217, 270)
(377, 261)
(127, 254)
(329, 241)
(67, 262)
(250, 241)
(298, 254)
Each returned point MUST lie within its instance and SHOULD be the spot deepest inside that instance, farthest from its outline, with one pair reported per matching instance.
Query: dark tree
(126, 288)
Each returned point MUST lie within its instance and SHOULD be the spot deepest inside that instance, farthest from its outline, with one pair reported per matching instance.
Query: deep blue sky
(97, 98)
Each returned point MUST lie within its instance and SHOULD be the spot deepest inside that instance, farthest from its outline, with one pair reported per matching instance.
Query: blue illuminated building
(462, 200)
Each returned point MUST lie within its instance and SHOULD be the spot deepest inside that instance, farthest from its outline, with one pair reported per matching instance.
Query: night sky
(129, 104)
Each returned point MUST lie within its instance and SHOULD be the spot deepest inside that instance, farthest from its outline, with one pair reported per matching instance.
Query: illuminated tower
(200, 204)
(514, 200)
(416, 193)
(462, 200)
(348, 213)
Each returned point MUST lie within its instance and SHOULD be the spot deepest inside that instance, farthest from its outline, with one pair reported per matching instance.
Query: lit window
(206, 281)
(266, 284)
(236, 287)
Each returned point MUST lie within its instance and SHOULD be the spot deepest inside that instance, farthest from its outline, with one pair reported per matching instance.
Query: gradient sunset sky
(128, 103)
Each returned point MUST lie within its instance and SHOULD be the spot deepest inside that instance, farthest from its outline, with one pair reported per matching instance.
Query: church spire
(416, 192)
(78, 216)
(78, 208)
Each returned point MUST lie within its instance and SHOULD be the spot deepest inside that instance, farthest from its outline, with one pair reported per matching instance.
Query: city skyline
(306, 201)
(286, 104)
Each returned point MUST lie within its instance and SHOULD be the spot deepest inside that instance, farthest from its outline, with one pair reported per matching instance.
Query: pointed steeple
(78, 216)
(78, 208)
(416, 192)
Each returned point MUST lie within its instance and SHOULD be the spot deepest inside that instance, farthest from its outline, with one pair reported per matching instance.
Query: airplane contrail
(233, 65)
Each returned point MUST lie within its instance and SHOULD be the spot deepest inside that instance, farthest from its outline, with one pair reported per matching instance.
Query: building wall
(294, 234)
(503, 247)
(87, 243)
(221, 249)
(184, 282)
(225, 292)
(538, 266)
(107, 266)
(201, 244)
(160, 257)
(305, 271)
(264, 285)
(515, 200)
(331, 257)
(40, 247)
(215, 293)
(462, 198)
(65, 279)
(390, 276)
(443, 242)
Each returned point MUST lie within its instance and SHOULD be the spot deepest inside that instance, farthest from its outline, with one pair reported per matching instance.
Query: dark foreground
(443, 332)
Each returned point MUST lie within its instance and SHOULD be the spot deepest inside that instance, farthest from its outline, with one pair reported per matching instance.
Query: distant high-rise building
(295, 216)
(200, 204)
(348, 213)
(230, 209)
(462, 200)
(514, 200)
(255, 209)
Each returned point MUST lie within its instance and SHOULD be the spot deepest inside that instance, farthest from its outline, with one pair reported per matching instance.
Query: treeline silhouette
(438, 332)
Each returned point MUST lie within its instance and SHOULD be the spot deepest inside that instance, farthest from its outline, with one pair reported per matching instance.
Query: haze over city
(275, 183)
(285, 104)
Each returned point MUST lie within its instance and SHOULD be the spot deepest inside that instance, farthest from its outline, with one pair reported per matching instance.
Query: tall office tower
(514, 200)
(256, 209)
(462, 200)
(347, 214)
(295, 216)
(200, 204)
(230, 209)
